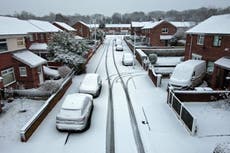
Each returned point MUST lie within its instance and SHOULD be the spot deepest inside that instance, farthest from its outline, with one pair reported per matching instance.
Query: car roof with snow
(90, 79)
(75, 101)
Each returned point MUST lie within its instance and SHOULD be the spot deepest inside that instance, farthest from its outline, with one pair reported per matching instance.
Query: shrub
(153, 58)
(50, 86)
(222, 148)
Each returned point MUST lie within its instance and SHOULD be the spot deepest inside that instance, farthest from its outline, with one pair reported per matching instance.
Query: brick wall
(207, 51)
(82, 30)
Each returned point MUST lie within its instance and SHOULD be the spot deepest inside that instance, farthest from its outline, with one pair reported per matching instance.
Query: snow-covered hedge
(45, 90)
(153, 58)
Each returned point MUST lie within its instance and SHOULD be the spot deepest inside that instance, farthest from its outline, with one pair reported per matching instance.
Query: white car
(91, 84)
(75, 113)
(127, 59)
(119, 48)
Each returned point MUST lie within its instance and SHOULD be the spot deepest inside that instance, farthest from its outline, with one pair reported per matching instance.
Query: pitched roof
(223, 62)
(45, 26)
(29, 58)
(140, 24)
(117, 25)
(65, 26)
(218, 24)
(14, 26)
(186, 24)
(151, 25)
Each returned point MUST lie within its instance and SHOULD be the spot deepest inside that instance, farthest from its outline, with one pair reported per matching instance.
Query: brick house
(83, 29)
(37, 41)
(136, 27)
(17, 64)
(210, 41)
(159, 33)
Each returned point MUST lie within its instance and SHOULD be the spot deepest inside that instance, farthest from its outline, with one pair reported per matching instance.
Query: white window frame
(20, 41)
(217, 40)
(200, 40)
(23, 71)
(6, 72)
(31, 37)
(164, 30)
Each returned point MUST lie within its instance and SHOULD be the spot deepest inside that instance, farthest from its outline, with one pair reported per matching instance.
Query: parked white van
(75, 113)
(188, 74)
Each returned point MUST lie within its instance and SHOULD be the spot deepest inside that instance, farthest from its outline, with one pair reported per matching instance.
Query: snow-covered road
(163, 134)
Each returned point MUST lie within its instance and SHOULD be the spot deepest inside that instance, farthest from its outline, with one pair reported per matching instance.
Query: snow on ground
(173, 61)
(12, 119)
(164, 133)
(212, 117)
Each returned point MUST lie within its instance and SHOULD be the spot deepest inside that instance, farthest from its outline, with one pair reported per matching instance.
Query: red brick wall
(82, 30)
(207, 51)
(156, 32)
(32, 78)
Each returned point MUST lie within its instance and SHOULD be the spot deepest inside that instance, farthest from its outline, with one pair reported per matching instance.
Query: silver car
(75, 113)
(91, 84)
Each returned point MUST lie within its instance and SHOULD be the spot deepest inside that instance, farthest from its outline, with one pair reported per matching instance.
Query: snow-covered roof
(14, 26)
(166, 37)
(186, 24)
(78, 37)
(223, 62)
(140, 24)
(38, 46)
(93, 25)
(45, 26)
(65, 26)
(29, 58)
(117, 26)
(218, 24)
(151, 25)
(51, 72)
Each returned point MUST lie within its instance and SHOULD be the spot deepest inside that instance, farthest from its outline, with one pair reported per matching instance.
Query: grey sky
(106, 7)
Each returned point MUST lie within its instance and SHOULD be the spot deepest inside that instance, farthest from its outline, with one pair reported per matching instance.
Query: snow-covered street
(160, 130)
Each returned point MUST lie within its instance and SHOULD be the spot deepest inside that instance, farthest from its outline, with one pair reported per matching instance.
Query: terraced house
(210, 41)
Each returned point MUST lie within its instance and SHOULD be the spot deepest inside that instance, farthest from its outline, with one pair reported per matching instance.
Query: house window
(200, 40)
(8, 76)
(217, 41)
(164, 30)
(22, 71)
(3, 45)
(210, 67)
(196, 56)
(20, 41)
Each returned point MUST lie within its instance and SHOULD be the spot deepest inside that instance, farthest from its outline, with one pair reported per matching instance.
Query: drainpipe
(190, 49)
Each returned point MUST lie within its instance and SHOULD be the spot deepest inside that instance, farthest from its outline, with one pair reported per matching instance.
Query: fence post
(159, 76)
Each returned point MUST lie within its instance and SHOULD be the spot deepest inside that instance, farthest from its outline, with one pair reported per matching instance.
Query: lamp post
(134, 49)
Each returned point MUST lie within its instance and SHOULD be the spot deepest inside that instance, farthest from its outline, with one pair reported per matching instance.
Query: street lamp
(134, 49)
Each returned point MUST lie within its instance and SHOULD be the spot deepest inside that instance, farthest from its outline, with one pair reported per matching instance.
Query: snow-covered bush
(50, 86)
(153, 58)
(64, 71)
(222, 148)
(66, 49)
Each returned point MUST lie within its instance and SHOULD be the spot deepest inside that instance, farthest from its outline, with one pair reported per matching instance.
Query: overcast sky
(106, 7)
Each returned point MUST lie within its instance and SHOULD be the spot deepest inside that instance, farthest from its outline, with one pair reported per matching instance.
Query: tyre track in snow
(110, 141)
(135, 129)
